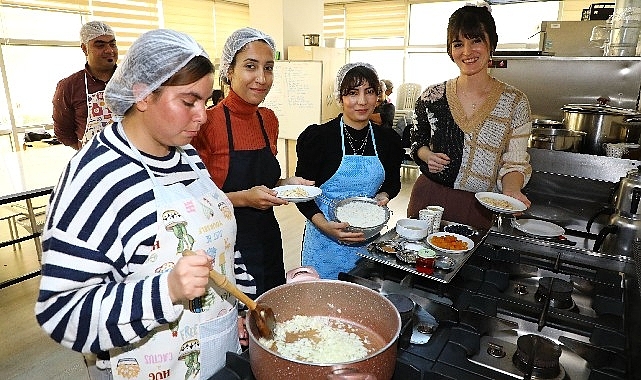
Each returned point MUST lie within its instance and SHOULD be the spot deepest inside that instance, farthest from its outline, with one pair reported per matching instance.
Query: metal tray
(439, 275)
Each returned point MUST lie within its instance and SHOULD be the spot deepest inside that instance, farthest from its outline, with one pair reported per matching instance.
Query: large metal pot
(351, 303)
(602, 124)
(556, 139)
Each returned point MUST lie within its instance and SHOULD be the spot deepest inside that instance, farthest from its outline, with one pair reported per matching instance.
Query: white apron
(199, 216)
(98, 114)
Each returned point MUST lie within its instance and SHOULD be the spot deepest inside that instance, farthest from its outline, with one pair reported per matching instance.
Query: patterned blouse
(482, 148)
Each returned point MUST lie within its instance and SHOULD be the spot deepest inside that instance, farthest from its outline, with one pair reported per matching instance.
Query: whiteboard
(295, 96)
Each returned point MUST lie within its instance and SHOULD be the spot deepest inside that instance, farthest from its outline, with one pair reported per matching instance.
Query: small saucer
(388, 247)
(406, 257)
(460, 229)
(444, 262)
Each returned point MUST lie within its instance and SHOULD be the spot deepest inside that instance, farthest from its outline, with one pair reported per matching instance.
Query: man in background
(384, 112)
(79, 109)
(389, 87)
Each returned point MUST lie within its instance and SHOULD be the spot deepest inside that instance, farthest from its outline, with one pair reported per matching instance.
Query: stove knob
(520, 289)
(425, 328)
(495, 350)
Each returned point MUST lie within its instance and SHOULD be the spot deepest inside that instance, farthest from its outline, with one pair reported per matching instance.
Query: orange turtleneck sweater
(212, 143)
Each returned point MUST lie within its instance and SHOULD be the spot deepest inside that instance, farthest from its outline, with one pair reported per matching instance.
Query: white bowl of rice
(363, 215)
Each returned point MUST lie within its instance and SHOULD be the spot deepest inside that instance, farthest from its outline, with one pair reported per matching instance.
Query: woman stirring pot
(115, 284)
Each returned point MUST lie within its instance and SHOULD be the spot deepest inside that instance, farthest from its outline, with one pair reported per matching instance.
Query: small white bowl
(412, 229)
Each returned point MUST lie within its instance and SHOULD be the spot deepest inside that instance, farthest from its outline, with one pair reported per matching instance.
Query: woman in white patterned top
(472, 131)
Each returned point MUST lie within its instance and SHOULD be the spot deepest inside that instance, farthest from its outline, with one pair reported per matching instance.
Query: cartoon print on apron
(193, 347)
(258, 239)
(98, 114)
(356, 176)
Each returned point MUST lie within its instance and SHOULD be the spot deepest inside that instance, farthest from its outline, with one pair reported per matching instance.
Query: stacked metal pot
(552, 135)
(602, 124)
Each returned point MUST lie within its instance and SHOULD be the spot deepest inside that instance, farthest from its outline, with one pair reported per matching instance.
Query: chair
(11, 216)
(406, 96)
(408, 166)
(39, 208)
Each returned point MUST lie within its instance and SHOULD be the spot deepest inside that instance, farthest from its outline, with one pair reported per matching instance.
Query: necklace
(475, 98)
(352, 141)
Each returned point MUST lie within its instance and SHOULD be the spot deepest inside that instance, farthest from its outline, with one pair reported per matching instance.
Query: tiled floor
(27, 353)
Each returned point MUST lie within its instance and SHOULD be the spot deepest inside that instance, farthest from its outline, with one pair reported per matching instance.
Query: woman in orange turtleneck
(238, 146)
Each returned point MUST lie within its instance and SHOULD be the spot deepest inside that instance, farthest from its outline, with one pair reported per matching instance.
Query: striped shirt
(101, 223)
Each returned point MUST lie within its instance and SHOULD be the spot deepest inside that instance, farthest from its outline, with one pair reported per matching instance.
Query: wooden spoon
(263, 315)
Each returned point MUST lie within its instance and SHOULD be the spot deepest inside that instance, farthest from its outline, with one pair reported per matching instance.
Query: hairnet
(152, 59)
(94, 29)
(236, 41)
(343, 71)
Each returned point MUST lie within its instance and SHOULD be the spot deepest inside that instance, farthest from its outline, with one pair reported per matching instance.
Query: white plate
(470, 243)
(297, 193)
(538, 227)
(515, 204)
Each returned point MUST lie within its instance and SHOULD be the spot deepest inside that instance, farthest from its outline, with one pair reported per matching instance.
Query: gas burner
(558, 290)
(538, 357)
(520, 289)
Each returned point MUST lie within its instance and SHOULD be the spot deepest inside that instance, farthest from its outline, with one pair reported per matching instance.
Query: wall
(571, 10)
(288, 20)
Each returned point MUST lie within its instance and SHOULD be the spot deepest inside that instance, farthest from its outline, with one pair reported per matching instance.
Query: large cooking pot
(556, 139)
(351, 303)
(602, 124)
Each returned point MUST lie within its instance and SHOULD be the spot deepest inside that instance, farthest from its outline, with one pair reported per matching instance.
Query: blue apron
(356, 176)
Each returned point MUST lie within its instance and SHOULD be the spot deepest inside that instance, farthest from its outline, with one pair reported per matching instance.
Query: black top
(387, 110)
(319, 156)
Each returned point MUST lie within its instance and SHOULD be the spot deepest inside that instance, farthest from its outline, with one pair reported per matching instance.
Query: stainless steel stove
(520, 307)
(503, 317)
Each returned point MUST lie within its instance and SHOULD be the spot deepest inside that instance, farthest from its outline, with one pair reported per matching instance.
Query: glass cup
(428, 216)
(425, 261)
(438, 210)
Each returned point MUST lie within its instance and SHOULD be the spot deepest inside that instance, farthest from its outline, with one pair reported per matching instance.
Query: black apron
(258, 238)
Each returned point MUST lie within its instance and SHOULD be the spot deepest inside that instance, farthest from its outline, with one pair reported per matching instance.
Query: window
(427, 60)
(388, 65)
(194, 17)
(28, 52)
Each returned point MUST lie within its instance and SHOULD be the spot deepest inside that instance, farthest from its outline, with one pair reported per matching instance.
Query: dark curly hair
(472, 22)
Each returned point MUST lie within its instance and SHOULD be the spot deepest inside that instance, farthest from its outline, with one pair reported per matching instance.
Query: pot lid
(634, 173)
(557, 132)
(600, 109)
(547, 123)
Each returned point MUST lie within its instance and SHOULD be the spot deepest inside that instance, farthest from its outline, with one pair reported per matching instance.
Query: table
(28, 174)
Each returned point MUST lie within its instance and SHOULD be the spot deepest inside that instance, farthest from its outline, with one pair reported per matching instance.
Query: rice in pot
(318, 339)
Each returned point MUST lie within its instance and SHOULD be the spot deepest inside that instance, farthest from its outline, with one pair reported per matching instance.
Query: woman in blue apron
(115, 284)
(238, 146)
(346, 157)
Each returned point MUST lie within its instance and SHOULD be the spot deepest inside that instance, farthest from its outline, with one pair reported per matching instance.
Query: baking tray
(439, 275)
